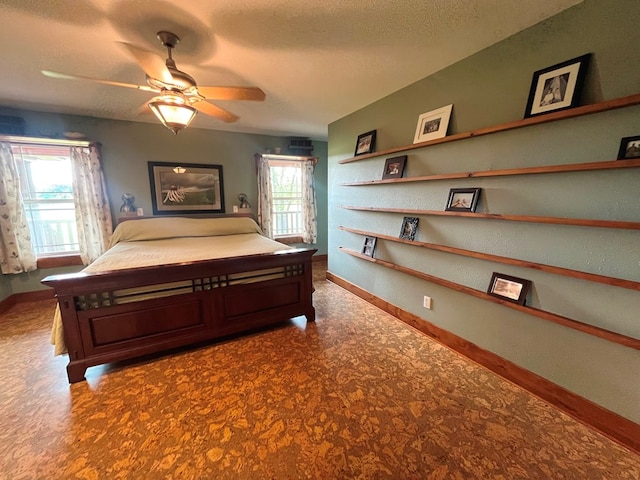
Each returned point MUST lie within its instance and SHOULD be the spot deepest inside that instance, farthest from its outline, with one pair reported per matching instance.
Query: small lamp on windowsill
(173, 110)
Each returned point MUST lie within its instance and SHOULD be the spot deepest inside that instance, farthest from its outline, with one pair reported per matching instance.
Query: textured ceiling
(316, 60)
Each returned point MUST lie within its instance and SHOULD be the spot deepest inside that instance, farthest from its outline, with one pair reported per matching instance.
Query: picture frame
(511, 289)
(629, 148)
(369, 246)
(433, 124)
(366, 143)
(557, 87)
(394, 167)
(186, 188)
(463, 199)
(409, 228)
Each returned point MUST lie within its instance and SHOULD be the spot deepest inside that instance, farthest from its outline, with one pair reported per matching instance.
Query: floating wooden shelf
(581, 222)
(613, 281)
(549, 316)
(572, 167)
(538, 120)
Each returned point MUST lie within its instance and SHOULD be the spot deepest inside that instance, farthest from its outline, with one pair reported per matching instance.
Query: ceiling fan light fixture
(173, 111)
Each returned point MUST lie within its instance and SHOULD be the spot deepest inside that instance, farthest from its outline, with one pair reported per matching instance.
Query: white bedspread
(177, 250)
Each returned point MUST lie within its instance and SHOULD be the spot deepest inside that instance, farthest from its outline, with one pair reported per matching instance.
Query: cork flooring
(357, 395)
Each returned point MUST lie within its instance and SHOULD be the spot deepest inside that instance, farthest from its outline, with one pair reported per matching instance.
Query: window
(47, 194)
(54, 207)
(286, 191)
(287, 206)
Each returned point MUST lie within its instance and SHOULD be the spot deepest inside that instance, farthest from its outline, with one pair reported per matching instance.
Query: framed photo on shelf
(366, 143)
(629, 148)
(369, 246)
(506, 287)
(557, 87)
(433, 124)
(409, 228)
(394, 167)
(186, 188)
(463, 199)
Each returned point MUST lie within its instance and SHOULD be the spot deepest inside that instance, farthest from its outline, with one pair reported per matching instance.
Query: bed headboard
(124, 218)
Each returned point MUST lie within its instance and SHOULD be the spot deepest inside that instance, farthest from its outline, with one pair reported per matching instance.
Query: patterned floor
(357, 395)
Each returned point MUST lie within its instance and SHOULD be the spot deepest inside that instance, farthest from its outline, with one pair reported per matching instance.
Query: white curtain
(16, 251)
(309, 210)
(265, 198)
(93, 214)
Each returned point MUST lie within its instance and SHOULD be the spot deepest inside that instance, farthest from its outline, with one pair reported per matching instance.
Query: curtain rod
(49, 141)
(272, 156)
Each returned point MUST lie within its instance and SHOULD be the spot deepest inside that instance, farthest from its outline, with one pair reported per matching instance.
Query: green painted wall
(128, 146)
(487, 89)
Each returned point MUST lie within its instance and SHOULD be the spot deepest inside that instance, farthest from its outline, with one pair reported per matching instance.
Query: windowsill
(289, 239)
(59, 261)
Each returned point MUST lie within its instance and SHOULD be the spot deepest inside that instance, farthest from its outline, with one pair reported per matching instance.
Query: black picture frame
(366, 143)
(511, 289)
(557, 87)
(394, 167)
(369, 246)
(186, 188)
(629, 148)
(463, 199)
(409, 228)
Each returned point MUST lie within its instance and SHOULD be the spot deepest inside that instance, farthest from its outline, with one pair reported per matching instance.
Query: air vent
(10, 125)
(300, 146)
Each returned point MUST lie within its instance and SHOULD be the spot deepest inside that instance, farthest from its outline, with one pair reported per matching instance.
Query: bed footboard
(124, 314)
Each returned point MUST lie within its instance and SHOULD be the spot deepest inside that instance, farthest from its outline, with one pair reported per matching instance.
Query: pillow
(171, 227)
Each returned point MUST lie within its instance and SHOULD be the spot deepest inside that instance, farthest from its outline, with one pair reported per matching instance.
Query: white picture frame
(433, 124)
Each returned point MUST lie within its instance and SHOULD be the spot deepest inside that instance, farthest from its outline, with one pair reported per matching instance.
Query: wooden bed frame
(97, 331)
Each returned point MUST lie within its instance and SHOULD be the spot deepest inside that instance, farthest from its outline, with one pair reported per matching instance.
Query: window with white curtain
(286, 198)
(47, 193)
(286, 190)
(54, 207)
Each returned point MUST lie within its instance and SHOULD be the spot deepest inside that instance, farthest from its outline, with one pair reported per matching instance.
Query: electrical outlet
(426, 303)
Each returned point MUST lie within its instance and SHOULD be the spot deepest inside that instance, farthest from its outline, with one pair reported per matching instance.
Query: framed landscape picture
(512, 289)
(557, 87)
(366, 143)
(463, 199)
(186, 188)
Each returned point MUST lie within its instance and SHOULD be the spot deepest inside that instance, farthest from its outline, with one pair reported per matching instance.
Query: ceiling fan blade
(214, 111)
(232, 93)
(65, 76)
(152, 64)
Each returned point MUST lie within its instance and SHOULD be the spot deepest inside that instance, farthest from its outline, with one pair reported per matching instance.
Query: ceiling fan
(179, 97)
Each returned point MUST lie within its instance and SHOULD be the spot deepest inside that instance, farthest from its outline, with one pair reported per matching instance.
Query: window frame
(58, 259)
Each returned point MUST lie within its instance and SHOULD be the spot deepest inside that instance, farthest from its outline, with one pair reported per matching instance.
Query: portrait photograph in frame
(557, 87)
(394, 167)
(629, 148)
(433, 124)
(409, 228)
(186, 188)
(369, 246)
(366, 143)
(463, 199)
(506, 287)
